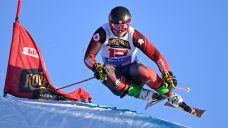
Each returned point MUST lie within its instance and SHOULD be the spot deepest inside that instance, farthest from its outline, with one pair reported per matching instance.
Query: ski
(156, 99)
(184, 107)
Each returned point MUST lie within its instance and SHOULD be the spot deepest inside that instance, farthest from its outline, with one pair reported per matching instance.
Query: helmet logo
(120, 22)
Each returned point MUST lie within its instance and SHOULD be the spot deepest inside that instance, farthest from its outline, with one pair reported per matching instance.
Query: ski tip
(168, 104)
(199, 113)
(147, 106)
(195, 111)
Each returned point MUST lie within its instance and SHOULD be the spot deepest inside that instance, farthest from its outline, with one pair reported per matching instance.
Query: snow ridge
(27, 113)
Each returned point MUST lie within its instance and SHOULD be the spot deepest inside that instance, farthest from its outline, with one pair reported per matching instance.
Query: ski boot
(144, 94)
(175, 99)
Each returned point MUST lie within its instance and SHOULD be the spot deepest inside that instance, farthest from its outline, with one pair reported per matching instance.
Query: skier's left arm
(151, 51)
(141, 42)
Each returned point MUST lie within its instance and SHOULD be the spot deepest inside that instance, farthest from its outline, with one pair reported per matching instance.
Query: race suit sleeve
(141, 42)
(94, 47)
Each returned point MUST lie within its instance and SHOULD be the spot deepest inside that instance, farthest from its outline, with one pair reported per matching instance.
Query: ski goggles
(120, 27)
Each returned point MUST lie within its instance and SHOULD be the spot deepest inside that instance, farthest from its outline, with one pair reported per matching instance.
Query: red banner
(27, 76)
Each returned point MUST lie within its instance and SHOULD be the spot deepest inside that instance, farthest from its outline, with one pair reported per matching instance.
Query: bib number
(117, 52)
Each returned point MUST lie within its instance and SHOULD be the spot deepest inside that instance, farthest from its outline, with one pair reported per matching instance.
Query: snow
(28, 113)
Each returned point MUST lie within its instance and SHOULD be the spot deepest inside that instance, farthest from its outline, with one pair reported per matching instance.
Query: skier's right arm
(94, 47)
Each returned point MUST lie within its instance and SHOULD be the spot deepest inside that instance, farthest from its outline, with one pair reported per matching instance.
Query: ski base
(184, 107)
(156, 99)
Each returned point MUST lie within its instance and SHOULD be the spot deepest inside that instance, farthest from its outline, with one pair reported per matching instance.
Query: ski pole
(76, 83)
(183, 89)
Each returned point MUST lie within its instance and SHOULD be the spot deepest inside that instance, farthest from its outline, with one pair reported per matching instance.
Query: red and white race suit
(119, 56)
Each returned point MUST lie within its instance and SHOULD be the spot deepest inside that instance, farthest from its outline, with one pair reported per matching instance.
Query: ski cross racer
(117, 41)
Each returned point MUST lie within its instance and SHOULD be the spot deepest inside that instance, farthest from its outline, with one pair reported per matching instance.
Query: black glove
(100, 72)
(169, 80)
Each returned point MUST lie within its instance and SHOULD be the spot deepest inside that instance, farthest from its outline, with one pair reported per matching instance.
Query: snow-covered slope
(26, 113)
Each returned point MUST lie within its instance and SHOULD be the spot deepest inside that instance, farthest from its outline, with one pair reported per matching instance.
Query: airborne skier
(122, 73)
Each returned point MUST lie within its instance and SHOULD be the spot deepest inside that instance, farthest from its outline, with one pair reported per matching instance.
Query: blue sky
(192, 36)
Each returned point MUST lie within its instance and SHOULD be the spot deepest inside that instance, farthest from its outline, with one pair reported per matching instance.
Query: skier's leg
(140, 75)
(116, 82)
(120, 85)
(143, 74)
(139, 72)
